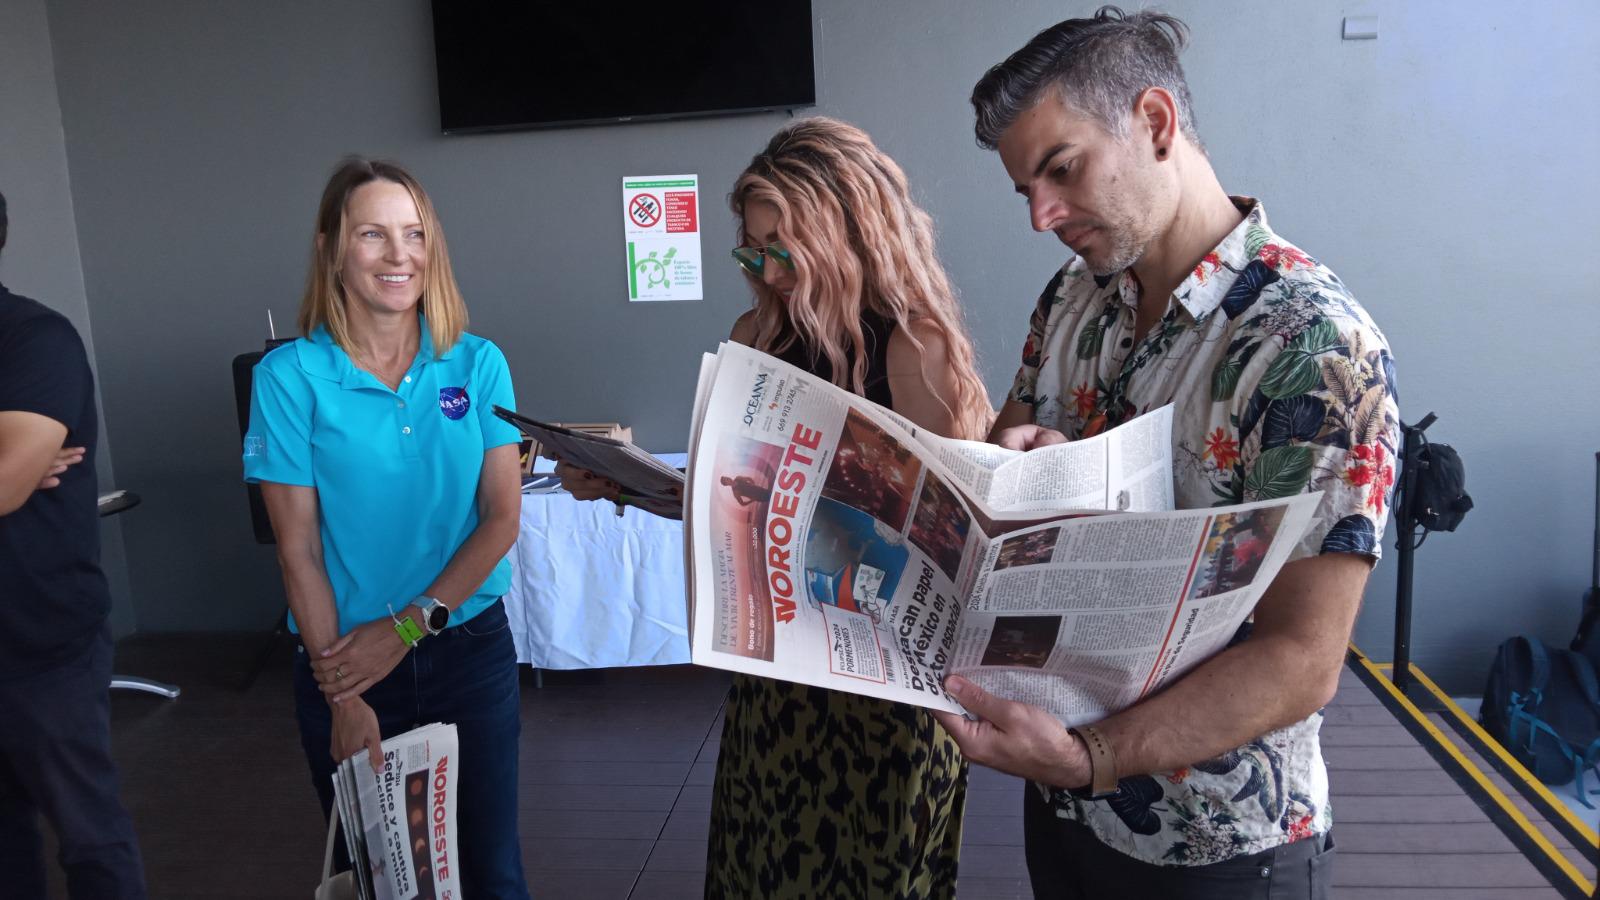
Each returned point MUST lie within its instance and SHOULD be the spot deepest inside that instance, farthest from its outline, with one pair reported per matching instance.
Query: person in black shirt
(55, 643)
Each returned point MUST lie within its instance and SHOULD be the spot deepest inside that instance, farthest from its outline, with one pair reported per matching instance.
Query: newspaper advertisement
(834, 543)
(400, 823)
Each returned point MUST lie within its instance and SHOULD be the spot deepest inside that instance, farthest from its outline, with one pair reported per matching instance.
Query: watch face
(438, 617)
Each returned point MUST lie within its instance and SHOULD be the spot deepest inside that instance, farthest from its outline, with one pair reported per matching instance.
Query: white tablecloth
(591, 589)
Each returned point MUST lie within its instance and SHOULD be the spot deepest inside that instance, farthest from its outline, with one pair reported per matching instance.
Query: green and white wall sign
(661, 226)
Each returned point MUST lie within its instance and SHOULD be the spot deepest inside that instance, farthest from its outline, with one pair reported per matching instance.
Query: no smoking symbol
(645, 210)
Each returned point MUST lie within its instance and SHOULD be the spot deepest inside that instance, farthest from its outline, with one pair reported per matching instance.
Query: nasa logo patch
(454, 402)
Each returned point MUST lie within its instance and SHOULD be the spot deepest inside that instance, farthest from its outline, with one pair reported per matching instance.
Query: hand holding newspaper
(400, 825)
(834, 543)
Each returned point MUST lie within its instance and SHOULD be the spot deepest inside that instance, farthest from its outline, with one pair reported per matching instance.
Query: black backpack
(1543, 705)
(1440, 499)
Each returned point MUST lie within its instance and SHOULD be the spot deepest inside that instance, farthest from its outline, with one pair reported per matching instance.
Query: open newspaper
(400, 825)
(834, 543)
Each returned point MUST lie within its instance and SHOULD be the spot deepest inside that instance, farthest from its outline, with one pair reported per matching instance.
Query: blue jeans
(465, 675)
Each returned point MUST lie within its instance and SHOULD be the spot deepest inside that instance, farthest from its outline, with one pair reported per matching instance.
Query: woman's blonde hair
(858, 242)
(324, 299)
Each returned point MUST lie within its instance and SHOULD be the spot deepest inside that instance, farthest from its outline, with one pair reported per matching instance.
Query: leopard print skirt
(832, 795)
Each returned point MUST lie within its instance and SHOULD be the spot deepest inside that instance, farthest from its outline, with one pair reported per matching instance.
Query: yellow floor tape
(1477, 775)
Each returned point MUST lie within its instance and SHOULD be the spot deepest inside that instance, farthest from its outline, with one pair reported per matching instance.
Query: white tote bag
(343, 885)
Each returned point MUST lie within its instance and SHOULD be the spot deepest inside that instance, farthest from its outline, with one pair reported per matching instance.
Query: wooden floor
(1550, 832)
(1404, 829)
(616, 774)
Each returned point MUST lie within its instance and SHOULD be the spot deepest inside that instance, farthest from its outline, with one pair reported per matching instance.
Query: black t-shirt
(876, 330)
(53, 596)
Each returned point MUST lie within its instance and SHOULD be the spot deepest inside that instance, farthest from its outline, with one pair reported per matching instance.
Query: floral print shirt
(1281, 384)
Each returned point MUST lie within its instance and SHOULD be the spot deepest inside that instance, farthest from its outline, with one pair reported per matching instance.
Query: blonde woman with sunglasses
(818, 793)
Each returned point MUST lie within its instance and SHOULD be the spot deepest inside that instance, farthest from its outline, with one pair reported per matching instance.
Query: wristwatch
(435, 615)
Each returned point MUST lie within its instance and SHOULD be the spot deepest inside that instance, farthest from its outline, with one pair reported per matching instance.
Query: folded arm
(29, 446)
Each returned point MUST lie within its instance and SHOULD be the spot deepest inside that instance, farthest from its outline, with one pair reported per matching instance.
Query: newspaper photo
(400, 824)
(834, 543)
(639, 473)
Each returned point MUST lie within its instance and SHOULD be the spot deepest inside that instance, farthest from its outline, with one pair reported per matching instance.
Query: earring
(1161, 152)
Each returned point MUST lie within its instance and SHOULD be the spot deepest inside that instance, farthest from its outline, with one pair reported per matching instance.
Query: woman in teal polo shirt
(393, 493)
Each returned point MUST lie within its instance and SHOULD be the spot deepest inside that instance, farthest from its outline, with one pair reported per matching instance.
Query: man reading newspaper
(1281, 384)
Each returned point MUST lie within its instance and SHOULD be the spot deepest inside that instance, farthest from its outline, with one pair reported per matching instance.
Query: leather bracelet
(1102, 762)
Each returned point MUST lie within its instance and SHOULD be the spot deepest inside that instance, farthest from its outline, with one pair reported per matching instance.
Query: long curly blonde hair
(858, 242)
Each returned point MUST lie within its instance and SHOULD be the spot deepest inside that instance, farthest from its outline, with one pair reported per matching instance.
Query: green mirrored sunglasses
(754, 259)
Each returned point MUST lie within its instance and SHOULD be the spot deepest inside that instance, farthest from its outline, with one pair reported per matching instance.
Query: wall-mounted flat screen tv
(538, 64)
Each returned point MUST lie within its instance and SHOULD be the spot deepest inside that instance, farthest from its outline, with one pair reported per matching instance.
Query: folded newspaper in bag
(638, 472)
(835, 543)
(400, 824)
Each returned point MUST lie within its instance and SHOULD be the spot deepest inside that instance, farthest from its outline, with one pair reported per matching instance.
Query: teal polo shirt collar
(320, 356)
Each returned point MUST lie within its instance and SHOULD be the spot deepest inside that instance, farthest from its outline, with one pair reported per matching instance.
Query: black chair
(243, 372)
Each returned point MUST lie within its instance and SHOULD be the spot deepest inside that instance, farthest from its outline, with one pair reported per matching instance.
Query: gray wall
(1443, 170)
(41, 256)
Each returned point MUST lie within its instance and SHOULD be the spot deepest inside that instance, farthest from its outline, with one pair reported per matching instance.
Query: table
(592, 589)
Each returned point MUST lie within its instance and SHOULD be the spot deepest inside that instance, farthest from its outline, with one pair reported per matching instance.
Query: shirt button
(406, 430)
(408, 379)
(400, 403)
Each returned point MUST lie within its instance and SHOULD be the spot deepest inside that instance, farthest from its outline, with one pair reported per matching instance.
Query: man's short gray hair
(1099, 65)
